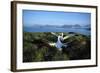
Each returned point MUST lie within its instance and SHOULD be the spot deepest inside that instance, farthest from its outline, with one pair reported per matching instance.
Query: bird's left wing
(68, 36)
(54, 34)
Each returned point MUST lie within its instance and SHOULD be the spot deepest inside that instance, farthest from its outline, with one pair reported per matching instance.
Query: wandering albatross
(59, 43)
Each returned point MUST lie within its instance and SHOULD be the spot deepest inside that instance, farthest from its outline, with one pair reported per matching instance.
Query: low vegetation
(36, 47)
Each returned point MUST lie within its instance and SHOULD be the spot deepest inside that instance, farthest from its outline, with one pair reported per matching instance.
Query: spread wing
(68, 36)
(52, 44)
(54, 34)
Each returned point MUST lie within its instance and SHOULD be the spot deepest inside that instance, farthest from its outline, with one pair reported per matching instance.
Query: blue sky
(32, 17)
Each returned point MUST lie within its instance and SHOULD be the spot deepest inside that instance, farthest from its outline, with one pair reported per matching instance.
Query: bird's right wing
(52, 44)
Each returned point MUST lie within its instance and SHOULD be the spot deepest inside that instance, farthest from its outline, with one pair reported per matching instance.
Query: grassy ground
(36, 47)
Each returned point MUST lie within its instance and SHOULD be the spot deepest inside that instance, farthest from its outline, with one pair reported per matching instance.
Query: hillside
(36, 47)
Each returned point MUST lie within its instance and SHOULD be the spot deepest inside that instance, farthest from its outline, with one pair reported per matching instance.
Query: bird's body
(59, 44)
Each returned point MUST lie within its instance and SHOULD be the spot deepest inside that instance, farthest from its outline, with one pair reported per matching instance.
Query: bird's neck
(59, 38)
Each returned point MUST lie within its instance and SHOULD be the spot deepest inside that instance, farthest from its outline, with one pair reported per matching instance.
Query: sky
(33, 17)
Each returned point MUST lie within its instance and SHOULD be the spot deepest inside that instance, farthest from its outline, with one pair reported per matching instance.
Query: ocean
(83, 31)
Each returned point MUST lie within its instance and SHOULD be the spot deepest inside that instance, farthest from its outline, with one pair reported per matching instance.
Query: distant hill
(61, 26)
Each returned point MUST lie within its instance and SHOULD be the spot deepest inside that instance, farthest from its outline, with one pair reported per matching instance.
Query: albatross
(59, 43)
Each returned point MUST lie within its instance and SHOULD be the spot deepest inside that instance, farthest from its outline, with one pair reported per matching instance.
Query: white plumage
(60, 38)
